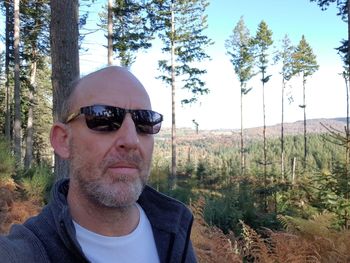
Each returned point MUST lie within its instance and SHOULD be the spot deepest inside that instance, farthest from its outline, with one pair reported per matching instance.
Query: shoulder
(21, 245)
(162, 201)
(165, 209)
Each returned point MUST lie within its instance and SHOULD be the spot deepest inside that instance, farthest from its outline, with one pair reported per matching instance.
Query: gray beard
(103, 189)
(123, 195)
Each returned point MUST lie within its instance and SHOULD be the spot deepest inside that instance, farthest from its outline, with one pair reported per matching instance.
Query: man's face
(109, 168)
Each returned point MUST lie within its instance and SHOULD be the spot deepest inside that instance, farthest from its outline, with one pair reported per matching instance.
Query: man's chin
(117, 195)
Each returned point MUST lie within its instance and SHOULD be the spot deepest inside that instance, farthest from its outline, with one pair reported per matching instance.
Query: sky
(220, 109)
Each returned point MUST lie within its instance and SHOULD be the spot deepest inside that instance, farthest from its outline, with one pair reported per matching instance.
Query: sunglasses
(109, 118)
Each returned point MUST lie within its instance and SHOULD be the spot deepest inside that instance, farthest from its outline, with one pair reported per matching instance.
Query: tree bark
(304, 107)
(110, 33)
(65, 59)
(29, 138)
(17, 91)
(282, 131)
(242, 135)
(8, 97)
(173, 108)
(347, 223)
(264, 141)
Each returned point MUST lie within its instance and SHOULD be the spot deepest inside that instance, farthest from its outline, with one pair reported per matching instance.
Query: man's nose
(127, 136)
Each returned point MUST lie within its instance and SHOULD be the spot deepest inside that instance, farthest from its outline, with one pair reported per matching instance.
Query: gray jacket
(50, 236)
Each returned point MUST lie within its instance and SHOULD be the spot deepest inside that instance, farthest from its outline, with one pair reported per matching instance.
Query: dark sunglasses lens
(147, 121)
(109, 118)
(103, 118)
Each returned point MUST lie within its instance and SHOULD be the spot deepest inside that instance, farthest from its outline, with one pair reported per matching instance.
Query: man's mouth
(124, 168)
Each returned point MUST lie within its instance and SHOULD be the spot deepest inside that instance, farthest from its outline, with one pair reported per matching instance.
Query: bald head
(113, 85)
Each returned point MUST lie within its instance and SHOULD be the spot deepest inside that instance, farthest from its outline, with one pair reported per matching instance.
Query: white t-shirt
(137, 247)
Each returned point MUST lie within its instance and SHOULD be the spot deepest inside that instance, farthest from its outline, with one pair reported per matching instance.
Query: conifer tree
(304, 64)
(344, 51)
(8, 55)
(239, 48)
(35, 20)
(262, 42)
(110, 32)
(64, 36)
(182, 24)
(285, 57)
(17, 90)
(132, 29)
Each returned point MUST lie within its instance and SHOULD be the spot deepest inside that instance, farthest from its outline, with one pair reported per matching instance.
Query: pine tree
(8, 55)
(35, 20)
(304, 64)
(182, 24)
(132, 29)
(64, 35)
(110, 32)
(262, 42)
(17, 89)
(239, 48)
(285, 57)
(344, 51)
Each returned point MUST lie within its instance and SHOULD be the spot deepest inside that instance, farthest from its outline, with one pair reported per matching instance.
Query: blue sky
(323, 29)
(220, 109)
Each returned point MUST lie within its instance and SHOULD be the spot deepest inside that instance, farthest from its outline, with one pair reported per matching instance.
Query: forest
(261, 197)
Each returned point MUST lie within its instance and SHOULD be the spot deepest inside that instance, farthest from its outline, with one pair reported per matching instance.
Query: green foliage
(285, 56)
(7, 161)
(209, 167)
(341, 4)
(37, 183)
(132, 30)
(182, 24)
(262, 42)
(304, 60)
(239, 48)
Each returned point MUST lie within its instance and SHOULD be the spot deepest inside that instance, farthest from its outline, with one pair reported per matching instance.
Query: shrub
(37, 183)
(7, 162)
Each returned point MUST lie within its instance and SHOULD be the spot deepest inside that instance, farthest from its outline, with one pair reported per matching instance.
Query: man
(105, 212)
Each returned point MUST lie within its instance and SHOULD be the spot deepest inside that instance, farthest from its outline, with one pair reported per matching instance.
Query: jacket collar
(164, 212)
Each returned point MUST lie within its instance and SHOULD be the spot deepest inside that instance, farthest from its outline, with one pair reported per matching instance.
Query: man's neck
(100, 219)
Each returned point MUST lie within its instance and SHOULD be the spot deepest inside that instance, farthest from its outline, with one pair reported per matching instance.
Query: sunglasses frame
(84, 110)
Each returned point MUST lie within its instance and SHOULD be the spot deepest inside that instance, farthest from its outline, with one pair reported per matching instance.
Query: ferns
(305, 241)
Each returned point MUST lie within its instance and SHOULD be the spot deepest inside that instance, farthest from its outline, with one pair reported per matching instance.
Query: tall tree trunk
(264, 142)
(17, 92)
(173, 108)
(347, 223)
(65, 59)
(8, 97)
(110, 33)
(282, 131)
(29, 139)
(242, 135)
(347, 148)
(304, 107)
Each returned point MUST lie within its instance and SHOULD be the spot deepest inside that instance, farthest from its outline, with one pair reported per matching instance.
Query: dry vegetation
(303, 241)
(13, 209)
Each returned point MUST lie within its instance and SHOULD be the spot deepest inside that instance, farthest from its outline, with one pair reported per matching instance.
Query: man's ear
(59, 138)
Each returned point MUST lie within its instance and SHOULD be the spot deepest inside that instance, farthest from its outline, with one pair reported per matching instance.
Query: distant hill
(312, 126)
(293, 128)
